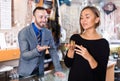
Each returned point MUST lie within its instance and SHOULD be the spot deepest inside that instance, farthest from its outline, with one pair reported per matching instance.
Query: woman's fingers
(80, 47)
(78, 51)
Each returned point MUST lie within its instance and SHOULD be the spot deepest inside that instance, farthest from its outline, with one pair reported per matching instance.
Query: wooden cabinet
(41, 3)
(9, 54)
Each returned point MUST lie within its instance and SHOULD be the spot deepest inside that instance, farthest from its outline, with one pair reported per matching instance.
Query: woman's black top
(80, 69)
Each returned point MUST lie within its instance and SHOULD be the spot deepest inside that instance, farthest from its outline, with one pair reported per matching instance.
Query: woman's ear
(97, 20)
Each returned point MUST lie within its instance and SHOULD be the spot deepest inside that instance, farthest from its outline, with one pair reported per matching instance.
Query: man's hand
(59, 74)
(41, 48)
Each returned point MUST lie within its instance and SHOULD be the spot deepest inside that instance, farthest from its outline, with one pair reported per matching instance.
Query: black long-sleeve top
(80, 69)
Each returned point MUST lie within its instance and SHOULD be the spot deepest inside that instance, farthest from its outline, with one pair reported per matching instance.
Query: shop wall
(69, 16)
(110, 23)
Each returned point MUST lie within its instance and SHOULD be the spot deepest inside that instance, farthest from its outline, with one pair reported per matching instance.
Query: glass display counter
(49, 76)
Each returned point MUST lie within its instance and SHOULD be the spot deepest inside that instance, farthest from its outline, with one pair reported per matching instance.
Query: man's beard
(41, 24)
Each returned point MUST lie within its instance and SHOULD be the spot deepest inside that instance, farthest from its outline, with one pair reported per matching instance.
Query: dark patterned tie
(39, 37)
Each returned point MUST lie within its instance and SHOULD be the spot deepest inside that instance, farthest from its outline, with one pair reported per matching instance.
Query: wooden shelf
(9, 54)
(41, 3)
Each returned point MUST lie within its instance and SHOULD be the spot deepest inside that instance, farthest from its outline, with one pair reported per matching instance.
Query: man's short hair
(38, 8)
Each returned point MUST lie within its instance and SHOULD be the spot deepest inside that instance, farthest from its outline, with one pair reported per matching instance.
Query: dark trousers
(35, 71)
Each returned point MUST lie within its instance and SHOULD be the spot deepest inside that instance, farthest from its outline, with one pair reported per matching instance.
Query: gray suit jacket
(29, 56)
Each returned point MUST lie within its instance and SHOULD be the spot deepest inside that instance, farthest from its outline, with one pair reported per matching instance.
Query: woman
(88, 58)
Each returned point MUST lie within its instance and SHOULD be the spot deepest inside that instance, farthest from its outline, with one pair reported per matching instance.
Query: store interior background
(20, 15)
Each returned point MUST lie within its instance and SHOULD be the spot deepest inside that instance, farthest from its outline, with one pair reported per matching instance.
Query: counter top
(49, 75)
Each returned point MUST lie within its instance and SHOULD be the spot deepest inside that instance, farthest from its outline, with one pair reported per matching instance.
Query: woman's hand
(86, 55)
(82, 51)
(70, 46)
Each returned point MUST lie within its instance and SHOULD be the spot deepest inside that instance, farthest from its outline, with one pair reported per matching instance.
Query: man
(33, 48)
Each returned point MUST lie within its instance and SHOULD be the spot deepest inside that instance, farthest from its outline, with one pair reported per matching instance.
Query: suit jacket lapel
(33, 35)
(43, 36)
